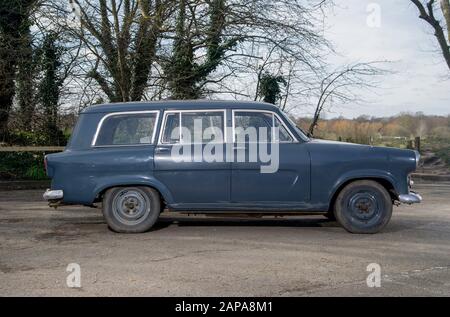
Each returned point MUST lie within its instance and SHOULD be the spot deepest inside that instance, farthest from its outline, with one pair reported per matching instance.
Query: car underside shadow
(230, 221)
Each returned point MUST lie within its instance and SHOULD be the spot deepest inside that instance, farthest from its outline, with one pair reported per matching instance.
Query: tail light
(45, 163)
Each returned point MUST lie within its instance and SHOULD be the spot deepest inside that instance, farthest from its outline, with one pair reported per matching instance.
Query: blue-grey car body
(311, 171)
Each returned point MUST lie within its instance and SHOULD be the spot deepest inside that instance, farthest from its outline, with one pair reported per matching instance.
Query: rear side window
(196, 127)
(126, 129)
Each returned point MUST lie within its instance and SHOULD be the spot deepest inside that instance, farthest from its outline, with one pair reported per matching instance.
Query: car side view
(139, 159)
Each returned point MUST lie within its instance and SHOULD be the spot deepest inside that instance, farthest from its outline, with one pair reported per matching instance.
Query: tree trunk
(440, 35)
(49, 89)
(146, 42)
(315, 120)
(186, 76)
(12, 14)
(9, 27)
(25, 77)
(7, 71)
(445, 6)
(427, 14)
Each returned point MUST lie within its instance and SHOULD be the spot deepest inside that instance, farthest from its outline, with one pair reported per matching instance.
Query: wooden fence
(31, 148)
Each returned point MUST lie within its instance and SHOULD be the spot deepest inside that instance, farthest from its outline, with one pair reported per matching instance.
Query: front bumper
(411, 198)
(57, 194)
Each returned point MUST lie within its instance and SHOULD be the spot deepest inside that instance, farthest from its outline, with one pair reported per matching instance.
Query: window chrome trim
(99, 126)
(167, 112)
(294, 139)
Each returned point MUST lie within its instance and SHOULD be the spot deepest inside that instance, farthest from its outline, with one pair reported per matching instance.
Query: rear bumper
(56, 194)
(411, 198)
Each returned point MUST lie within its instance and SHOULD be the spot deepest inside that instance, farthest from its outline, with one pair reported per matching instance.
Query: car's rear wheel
(363, 206)
(131, 209)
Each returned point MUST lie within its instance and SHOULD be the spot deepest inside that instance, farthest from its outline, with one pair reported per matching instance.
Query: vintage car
(141, 158)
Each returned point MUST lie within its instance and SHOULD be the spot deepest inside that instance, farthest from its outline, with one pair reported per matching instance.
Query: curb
(21, 185)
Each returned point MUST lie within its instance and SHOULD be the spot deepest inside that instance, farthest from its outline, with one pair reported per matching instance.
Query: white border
(125, 113)
(163, 125)
(295, 140)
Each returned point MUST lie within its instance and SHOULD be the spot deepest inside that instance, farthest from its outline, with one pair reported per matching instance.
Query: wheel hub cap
(363, 206)
(130, 206)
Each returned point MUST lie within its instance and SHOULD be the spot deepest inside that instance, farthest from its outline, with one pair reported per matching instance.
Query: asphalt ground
(202, 256)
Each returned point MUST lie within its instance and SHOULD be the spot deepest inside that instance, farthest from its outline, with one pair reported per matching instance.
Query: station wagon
(215, 157)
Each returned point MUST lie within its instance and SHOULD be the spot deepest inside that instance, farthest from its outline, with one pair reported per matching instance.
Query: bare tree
(427, 13)
(344, 85)
(199, 27)
(122, 37)
(218, 42)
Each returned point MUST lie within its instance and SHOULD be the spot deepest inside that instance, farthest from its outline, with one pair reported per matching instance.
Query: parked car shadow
(228, 221)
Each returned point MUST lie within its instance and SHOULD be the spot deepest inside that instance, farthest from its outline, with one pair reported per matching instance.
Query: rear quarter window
(126, 129)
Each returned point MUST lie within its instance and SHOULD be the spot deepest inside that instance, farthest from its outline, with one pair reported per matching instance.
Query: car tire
(363, 206)
(131, 209)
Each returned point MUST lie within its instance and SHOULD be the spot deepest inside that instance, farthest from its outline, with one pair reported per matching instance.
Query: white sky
(422, 79)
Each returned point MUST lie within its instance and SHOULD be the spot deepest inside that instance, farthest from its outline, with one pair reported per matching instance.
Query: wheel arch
(383, 181)
(163, 192)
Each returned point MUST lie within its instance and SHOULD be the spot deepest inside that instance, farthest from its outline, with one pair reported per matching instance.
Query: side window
(127, 129)
(252, 126)
(196, 127)
(171, 133)
(257, 127)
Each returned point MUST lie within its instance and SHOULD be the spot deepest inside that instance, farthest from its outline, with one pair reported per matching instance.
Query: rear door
(188, 158)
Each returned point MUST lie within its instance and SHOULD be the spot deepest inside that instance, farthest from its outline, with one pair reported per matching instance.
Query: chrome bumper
(411, 198)
(53, 194)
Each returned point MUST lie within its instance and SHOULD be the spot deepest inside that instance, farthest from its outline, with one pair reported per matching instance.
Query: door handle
(162, 149)
(239, 148)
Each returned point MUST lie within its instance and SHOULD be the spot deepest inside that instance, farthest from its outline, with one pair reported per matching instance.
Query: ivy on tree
(49, 88)
(269, 88)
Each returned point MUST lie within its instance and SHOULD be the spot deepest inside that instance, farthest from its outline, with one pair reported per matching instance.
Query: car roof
(178, 105)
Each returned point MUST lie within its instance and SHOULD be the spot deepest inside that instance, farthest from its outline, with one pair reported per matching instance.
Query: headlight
(417, 158)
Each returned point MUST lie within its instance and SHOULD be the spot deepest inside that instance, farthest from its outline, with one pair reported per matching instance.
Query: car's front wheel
(131, 209)
(363, 206)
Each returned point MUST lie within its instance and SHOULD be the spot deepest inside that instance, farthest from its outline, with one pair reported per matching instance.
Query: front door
(274, 181)
(183, 158)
